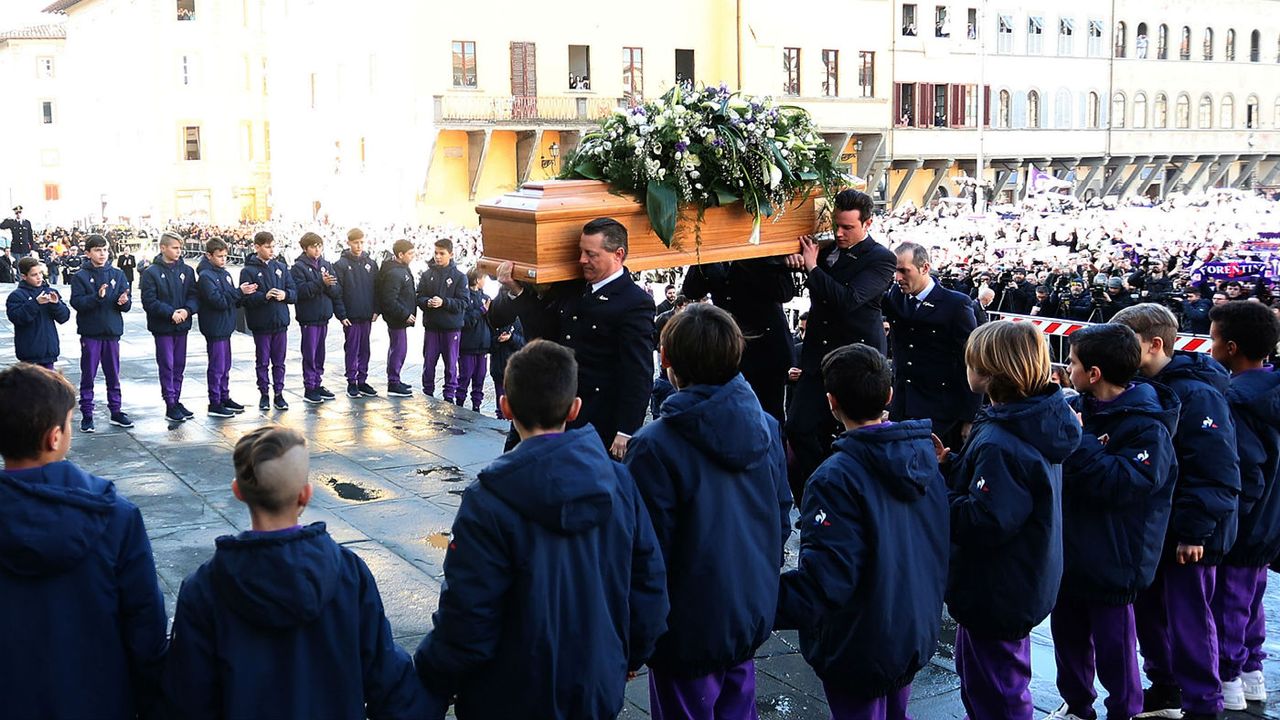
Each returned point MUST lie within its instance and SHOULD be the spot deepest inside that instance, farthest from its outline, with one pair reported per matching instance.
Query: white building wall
(33, 150)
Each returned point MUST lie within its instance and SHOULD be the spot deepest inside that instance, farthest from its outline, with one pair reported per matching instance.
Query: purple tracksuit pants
(397, 351)
(726, 695)
(95, 352)
(356, 346)
(218, 376)
(171, 359)
(1092, 640)
(472, 369)
(269, 351)
(1240, 619)
(437, 344)
(1176, 633)
(313, 339)
(886, 707)
(995, 676)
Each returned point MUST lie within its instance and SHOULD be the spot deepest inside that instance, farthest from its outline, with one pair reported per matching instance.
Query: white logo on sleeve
(982, 485)
(821, 518)
(1208, 423)
(1143, 457)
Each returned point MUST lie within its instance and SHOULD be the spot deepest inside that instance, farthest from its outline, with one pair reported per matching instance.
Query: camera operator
(1043, 305)
(1194, 311)
(1075, 303)
(1156, 285)
(1112, 300)
(1016, 294)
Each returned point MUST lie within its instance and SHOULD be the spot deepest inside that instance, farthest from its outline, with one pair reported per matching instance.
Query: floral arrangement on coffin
(706, 147)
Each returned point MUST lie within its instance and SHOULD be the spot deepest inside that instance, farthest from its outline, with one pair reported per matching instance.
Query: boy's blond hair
(272, 491)
(1149, 321)
(1014, 355)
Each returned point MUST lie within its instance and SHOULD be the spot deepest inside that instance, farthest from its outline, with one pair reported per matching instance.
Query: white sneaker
(1062, 713)
(1233, 695)
(1255, 686)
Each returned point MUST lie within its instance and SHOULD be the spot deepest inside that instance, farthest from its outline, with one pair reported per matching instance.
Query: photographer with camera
(1017, 296)
(1194, 311)
(1115, 298)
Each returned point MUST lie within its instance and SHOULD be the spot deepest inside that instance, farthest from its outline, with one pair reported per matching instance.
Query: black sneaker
(86, 425)
(264, 403)
(233, 406)
(325, 393)
(1161, 701)
(311, 396)
(367, 390)
(280, 403)
(119, 419)
(399, 390)
(220, 411)
(185, 412)
(353, 390)
(173, 414)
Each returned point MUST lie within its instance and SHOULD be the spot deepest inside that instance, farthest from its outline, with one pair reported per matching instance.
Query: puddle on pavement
(355, 492)
(448, 428)
(442, 473)
(438, 540)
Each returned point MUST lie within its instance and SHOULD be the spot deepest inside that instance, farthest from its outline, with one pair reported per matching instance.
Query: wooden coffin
(538, 226)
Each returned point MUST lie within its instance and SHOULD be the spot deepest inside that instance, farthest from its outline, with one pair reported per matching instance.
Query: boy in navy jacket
(218, 297)
(82, 620)
(554, 584)
(507, 340)
(100, 295)
(1173, 616)
(1117, 490)
(442, 295)
(169, 299)
(318, 292)
(357, 310)
(473, 346)
(398, 304)
(868, 621)
(712, 473)
(267, 315)
(283, 622)
(33, 307)
(1244, 336)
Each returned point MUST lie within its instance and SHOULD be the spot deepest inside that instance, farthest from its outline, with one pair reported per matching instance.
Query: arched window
(1091, 110)
(1062, 109)
(1162, 43)
(1255, 46)
(1204, 114)
(1227, 113)
(1003, 115)
(1140, 42)
(1033, 109)
(1140, 111)
(1208, 43)
(1182, 113)
(1276, 116)
(1160, 113)
(1251, 113)
(1184, 44)
(1117, 110)
(1120, 39)
(1229, 51)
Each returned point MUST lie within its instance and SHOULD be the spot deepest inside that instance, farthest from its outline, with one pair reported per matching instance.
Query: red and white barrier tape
(1054, 326)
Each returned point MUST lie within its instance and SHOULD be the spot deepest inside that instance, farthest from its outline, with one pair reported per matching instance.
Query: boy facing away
(554, 583)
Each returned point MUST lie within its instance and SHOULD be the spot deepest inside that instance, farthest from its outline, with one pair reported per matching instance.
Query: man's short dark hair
(614, 232)
(214, 245)
(94, 241)
(851, 199)
(703, 344)
(35, 400)
(1112, 348)
(541, 382)
(262, 237)
(26, 263)
(669, 287)
(309, 239)
(919, 254)
(446, 244)
(1252, 326)
(401, 247)
(680, 301)
(859, 378)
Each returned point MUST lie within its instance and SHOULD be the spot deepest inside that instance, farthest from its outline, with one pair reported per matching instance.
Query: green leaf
(807, 175)
(662, 205)
(588, 169)
(725, 196)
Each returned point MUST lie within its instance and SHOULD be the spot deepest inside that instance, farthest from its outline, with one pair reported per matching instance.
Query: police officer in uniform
(23, 237)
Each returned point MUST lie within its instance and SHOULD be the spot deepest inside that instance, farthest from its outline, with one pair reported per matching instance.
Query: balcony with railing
(482, 110)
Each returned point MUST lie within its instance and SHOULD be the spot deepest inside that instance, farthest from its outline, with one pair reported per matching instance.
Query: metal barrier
(1060, 329)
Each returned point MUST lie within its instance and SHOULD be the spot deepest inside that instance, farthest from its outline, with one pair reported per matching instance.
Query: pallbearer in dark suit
(929, 326)
(606, 319)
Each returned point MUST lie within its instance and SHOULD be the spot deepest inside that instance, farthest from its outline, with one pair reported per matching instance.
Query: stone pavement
(388, 474)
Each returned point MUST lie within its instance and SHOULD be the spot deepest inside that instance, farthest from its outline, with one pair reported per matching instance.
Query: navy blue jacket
(476, 334)
(165, 289)
(929, 377)
(356, 276)
(80, 607)
(867, 592)
(450, 285)
(713, 474)
(502, 351)
(1006, 515)
(35, 336)
(218, 296)
(553, 586)
(1204, 500)
(396, 297)
(264, 316)
(99, 317)
(316, 301)
(1254, 397)
(286, 624)
(1116, 497)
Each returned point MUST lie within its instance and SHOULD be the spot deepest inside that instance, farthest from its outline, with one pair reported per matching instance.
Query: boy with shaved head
(283, 622)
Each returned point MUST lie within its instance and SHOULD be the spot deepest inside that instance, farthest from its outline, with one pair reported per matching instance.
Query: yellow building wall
(447, 186)
(498, 176)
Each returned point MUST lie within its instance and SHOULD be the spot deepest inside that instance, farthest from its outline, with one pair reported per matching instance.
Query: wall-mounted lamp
(554, 151)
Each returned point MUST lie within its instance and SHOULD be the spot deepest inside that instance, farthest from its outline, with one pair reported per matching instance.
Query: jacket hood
(304, 259)
(50, 517)
(277, 580)
(723, 421)
(206, 266)
(1196, 366)
(1256, 393)
(899, 455)
(256, 261)
(159, 260)
(353, 257)
(1043, 421)
(562, 481)
(1144, 398)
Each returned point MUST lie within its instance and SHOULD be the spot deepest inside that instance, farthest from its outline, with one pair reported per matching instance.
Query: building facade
(33, 124)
